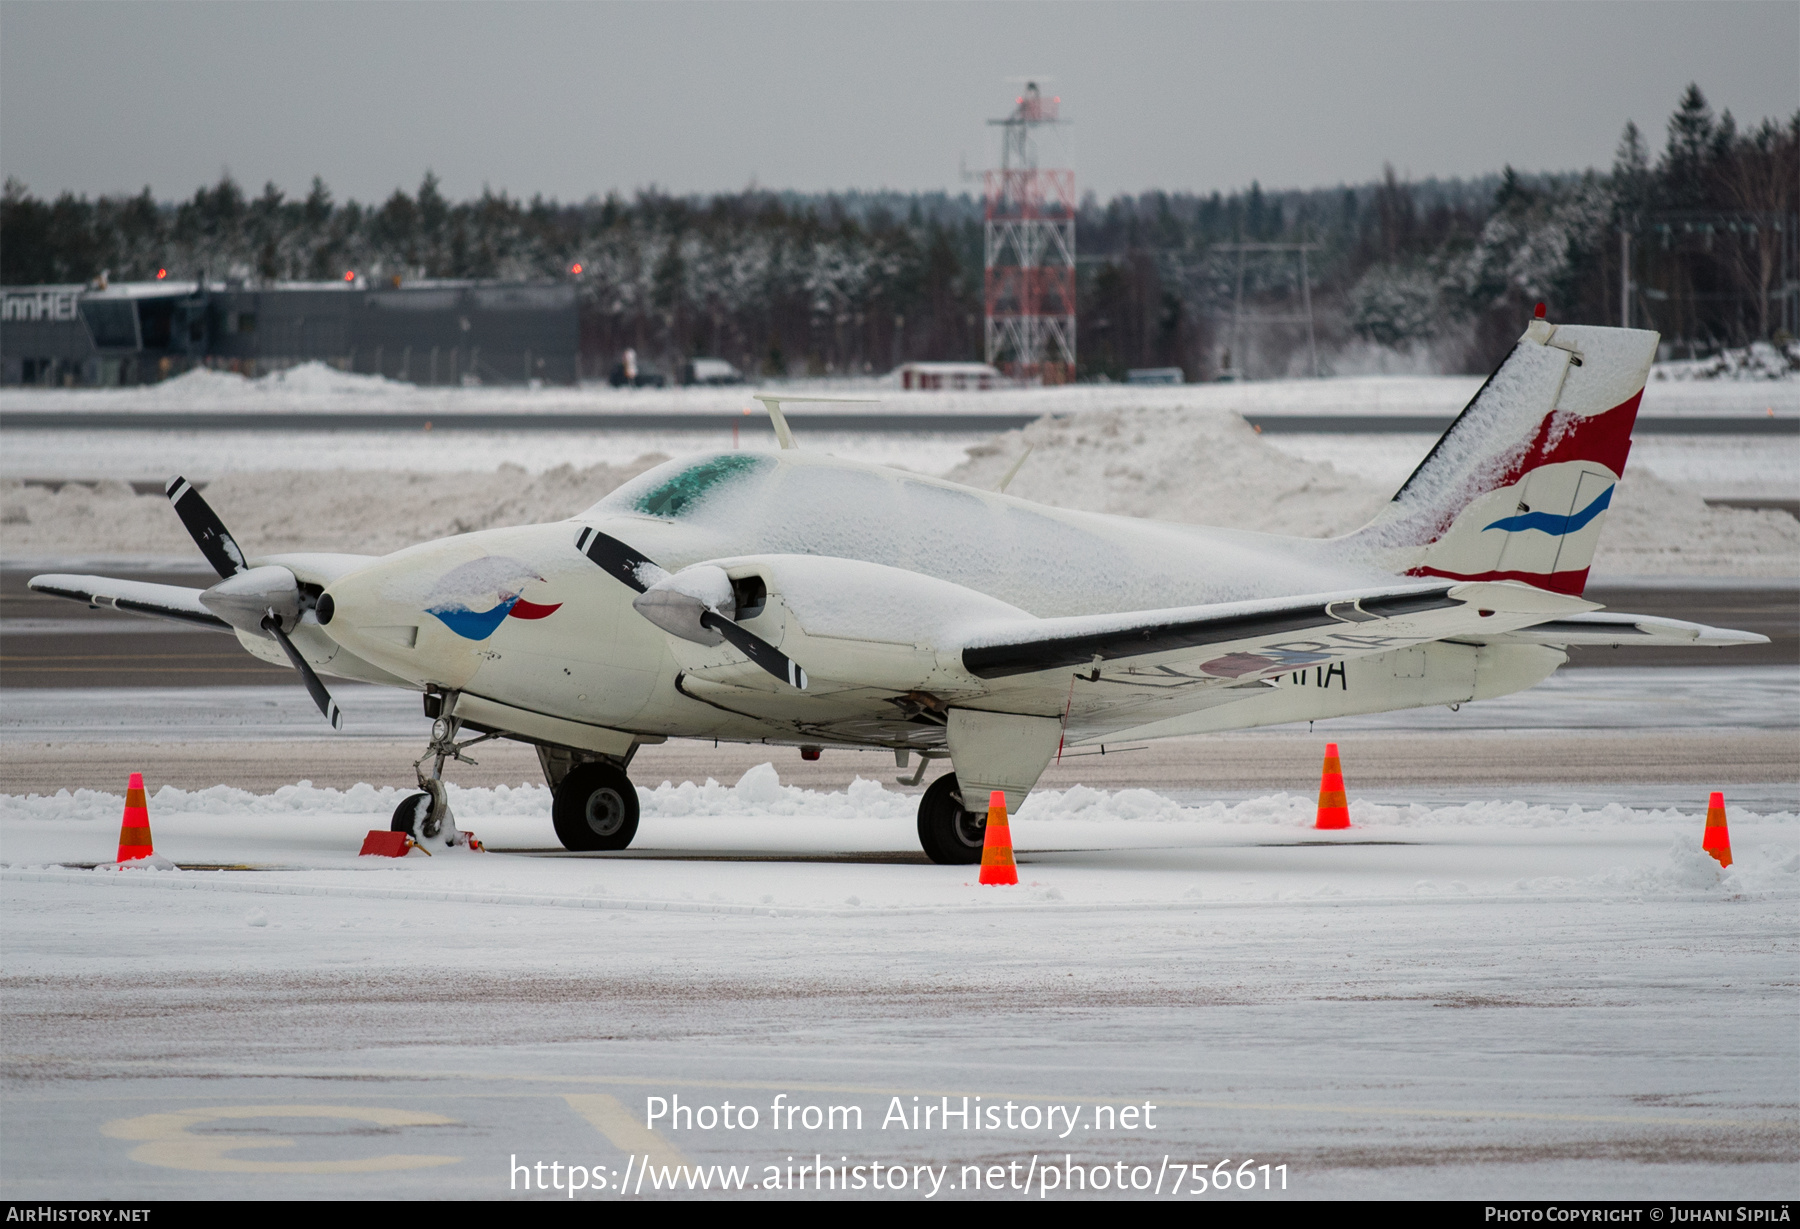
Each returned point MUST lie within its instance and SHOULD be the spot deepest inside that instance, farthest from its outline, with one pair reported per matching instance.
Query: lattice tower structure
(1029, 252)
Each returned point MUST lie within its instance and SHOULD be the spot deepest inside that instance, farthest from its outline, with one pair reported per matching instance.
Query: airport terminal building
(426, 332)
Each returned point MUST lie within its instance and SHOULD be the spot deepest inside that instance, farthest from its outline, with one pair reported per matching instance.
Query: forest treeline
(791, 283)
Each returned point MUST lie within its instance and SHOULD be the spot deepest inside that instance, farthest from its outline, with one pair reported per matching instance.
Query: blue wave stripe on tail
(1555, 526)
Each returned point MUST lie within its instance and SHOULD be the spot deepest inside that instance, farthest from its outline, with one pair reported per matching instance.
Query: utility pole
(1624, 278)
(1238, 316)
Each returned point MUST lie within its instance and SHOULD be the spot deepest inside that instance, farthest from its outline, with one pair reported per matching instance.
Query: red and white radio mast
(1029, 256)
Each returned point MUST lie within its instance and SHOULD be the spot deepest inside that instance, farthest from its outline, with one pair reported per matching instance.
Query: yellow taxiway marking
(609, 1116)
(170, 1143)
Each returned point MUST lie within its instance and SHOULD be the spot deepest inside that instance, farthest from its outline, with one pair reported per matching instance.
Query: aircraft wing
(136, 597)
(1238, 641)
(890, 648)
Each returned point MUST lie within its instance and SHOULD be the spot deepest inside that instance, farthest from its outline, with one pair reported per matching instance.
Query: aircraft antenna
(785, 434)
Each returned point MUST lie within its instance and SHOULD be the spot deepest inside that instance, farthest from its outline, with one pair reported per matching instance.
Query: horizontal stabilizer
(1610, 628)
(133, 597)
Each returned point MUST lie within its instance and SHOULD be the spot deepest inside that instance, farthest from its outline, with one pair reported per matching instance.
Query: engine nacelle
(841, 619)
(676, 602)
(245, 599)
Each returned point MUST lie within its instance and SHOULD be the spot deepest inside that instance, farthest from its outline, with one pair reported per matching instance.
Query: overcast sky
(572, 99)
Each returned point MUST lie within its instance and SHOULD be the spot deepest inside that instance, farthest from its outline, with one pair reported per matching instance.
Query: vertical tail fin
(1518, 486)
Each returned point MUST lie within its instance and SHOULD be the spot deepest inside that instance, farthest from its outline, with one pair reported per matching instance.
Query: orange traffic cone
(996, 849)
(1717, 840)
(134, 829)
(1334, 810)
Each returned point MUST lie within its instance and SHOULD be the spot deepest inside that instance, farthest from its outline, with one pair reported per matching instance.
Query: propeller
(265, 599)
(205, 527)
(638, 571)
(271, 623)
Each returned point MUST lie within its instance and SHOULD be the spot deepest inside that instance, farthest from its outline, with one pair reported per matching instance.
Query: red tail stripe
(1571, 583)
(1602, 438)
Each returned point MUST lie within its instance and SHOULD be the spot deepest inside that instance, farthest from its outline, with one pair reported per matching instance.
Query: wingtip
(1725, 638)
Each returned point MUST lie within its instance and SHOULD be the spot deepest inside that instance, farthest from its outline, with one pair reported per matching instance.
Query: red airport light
(161, 273)
(575, 268)
(350, 275)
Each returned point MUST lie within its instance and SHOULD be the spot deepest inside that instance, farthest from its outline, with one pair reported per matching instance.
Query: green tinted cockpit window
(676, 496)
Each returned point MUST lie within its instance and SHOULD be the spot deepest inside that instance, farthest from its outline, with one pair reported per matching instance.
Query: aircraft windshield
(673, 491)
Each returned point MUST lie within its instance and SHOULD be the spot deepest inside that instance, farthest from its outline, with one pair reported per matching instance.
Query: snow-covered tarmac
(1568, 1007)
(1457, 997)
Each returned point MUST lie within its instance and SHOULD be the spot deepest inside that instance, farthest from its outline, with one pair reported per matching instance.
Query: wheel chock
(383, 844)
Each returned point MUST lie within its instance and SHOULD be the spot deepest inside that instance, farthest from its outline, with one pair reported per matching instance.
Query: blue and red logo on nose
(474, 599)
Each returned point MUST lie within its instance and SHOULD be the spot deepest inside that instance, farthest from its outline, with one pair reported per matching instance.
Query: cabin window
(671, 495)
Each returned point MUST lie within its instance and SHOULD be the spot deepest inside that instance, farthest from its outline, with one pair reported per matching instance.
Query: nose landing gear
(427, 816)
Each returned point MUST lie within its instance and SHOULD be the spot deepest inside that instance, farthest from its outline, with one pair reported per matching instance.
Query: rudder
(1519, 485)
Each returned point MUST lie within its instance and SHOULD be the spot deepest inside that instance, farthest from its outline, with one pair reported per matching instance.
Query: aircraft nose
(377, 614)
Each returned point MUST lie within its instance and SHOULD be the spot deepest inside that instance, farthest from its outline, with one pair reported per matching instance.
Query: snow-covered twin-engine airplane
(794, 598)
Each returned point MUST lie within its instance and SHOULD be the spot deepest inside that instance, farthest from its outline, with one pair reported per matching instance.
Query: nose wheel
(595, 808)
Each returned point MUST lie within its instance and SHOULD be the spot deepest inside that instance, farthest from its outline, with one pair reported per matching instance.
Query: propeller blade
(757, 650)
(314, 687)
(624, 563)
(205, 527)
(633, 568)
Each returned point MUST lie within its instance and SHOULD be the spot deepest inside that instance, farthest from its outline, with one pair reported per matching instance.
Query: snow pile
(1299, 810)
(316, 387)
(312, 383)
(759, 794)
(1204, 467)
(359, 511)
(205, 388)
(1686, 867)
(1199, 466)
(1655, 528)
(1474, 849)
(1760, 360)
(305, 798)
(316, 379)
(1213, 469)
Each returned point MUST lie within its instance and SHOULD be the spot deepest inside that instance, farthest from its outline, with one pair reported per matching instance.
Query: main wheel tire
(408, 813)
(595, 807)
(950, 835)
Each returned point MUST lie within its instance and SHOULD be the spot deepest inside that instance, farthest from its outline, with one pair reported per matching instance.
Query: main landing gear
(951, 835)
(595, 807)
